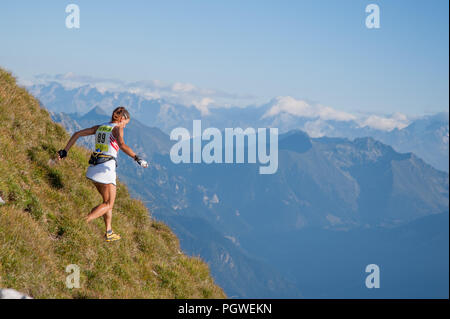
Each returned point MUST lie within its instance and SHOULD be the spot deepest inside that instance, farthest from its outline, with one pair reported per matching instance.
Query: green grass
(42, 228)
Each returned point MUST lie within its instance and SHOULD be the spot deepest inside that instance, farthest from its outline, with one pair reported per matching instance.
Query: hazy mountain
(325, 182)
(427, 137)
(331, 200)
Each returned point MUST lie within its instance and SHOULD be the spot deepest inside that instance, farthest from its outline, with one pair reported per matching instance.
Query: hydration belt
(99, 158)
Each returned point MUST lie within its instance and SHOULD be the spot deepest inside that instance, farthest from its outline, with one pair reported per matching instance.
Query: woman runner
(102, 171)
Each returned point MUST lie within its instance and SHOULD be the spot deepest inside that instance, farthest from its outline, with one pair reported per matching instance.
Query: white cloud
(315, 128)
(384, 123)
(328, 113)
(300, 108)
(287, 105)
(183, 87)
(202, 105)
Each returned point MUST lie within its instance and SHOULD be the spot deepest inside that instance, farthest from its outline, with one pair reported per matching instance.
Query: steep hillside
(42, 230)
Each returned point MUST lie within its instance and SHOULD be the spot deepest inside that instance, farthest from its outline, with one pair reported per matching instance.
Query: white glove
(141, 162)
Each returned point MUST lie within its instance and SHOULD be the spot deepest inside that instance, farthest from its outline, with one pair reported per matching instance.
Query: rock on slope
(12, 294)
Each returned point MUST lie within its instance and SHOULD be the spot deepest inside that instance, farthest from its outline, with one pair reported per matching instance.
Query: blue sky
(319, 51)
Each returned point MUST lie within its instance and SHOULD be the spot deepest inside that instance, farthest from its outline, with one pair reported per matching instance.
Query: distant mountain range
(334, 206)
(427, 136)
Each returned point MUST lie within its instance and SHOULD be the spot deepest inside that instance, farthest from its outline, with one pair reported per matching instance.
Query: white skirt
(104, 173)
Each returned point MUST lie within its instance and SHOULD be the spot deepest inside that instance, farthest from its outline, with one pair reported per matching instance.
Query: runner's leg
(104, 207)
(108, 216)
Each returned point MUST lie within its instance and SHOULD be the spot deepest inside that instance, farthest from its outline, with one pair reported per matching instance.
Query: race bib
(102, 138)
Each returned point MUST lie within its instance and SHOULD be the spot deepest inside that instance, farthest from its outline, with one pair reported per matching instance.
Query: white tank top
(105, 142)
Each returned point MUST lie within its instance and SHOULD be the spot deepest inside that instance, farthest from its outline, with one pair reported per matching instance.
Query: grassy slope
(41, 226)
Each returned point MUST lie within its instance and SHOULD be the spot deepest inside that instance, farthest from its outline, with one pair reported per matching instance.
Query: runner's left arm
(126, 149)
(120, 141)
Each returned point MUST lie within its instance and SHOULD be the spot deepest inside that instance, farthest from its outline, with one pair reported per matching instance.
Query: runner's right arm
(75, 137)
